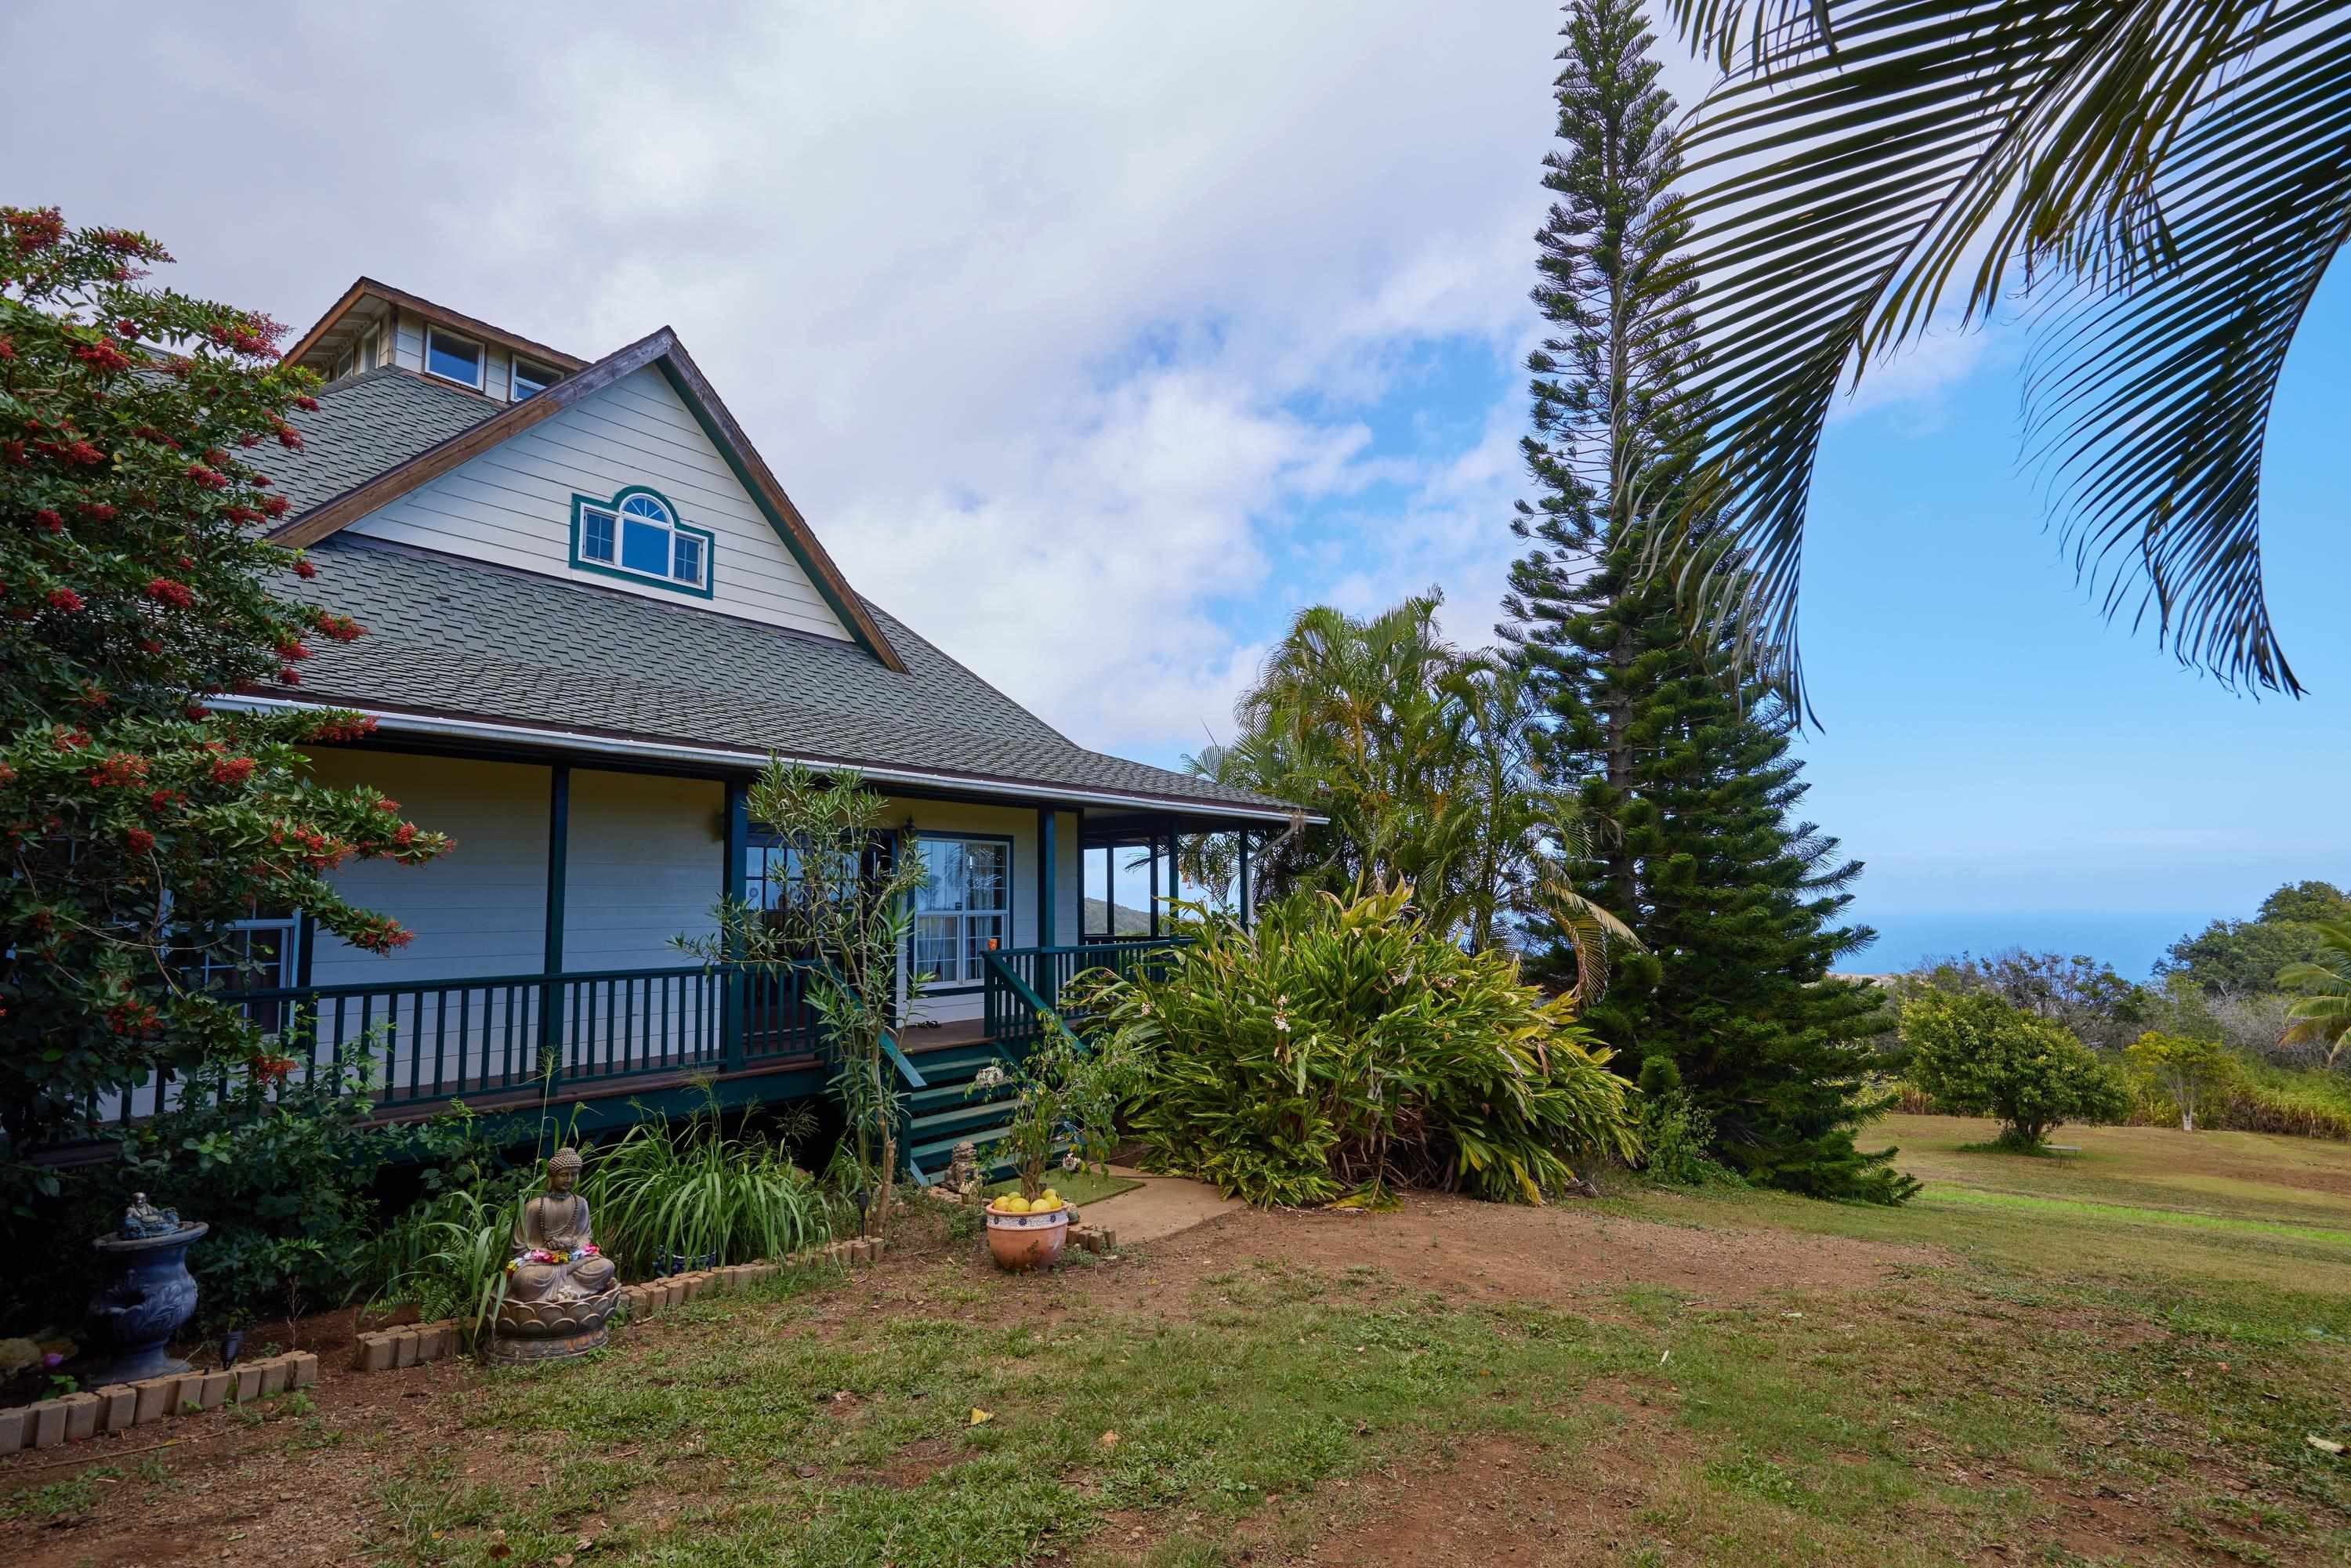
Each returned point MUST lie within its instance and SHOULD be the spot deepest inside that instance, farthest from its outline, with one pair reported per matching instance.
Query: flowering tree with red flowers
(135, 823)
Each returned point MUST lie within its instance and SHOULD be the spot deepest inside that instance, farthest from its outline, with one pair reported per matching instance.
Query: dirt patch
(1496, 1504)
(1564, 1252)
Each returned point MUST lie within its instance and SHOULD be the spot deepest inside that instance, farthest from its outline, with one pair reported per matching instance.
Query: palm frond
(2171, 174)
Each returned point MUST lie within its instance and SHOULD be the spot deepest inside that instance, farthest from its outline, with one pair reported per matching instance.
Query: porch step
(950, 1063)
(978, 1112)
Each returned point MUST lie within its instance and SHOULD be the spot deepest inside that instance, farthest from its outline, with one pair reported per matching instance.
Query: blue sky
(1096, 346)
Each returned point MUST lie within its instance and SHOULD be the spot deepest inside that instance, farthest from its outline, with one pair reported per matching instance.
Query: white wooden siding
(512, 504)
(481, 909)
(648, 859)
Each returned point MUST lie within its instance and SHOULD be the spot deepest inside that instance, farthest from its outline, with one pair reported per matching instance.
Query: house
(591, 614)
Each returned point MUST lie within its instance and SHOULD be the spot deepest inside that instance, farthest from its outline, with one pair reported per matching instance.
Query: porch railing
(1043, 973)
(440, 1039)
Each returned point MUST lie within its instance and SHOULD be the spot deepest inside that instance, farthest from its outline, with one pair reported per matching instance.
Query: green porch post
(1045, 878)
(732, 877)
(550, 994)
(1175, 871)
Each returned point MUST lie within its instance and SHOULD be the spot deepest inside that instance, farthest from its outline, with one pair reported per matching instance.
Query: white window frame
(972, 927)
(481, 358)
(370, 343)
(541, 378)
(616, 514)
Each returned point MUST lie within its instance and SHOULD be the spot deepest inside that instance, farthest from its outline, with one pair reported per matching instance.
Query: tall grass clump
(664, 1193)
(1345, 1046)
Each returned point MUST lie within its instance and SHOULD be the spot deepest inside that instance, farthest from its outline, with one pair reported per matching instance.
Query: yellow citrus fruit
(1015, 1203)
(1050, 1196)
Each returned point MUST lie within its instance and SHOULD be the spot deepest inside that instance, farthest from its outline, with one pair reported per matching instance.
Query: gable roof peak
(658, 349)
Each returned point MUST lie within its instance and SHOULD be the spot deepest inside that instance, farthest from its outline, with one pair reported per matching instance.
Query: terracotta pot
(1024, 1242)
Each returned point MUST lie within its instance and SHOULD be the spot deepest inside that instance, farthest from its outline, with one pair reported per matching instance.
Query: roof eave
(566, 741)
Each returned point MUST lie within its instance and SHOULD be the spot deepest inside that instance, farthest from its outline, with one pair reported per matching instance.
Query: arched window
(638, 533)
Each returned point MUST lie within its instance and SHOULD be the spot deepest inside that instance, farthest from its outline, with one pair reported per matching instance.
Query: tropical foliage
(1680, 776)
(135, 825)
(2231, 958)
(1346, 1045)
(2167, 181)
(2322, 1013)
(1423, 758)
(1977, 1055)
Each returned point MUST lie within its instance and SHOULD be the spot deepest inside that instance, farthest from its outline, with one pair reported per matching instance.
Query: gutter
(575, 740)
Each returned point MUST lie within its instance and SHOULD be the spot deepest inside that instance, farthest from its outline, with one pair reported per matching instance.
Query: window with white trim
(639, 534)
(963, 908)
(454, 359)
(260, 953)
(527, 381)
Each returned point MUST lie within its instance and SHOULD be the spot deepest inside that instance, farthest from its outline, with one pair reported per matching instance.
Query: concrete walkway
(1160, 1208)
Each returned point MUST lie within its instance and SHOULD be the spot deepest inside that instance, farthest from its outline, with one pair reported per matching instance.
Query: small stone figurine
(143, 1219)
(963, 1170)
(560, 1288)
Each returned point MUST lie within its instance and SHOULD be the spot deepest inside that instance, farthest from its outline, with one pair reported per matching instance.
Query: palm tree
(2164, 184)
(2323, 1014)
(1424, 759)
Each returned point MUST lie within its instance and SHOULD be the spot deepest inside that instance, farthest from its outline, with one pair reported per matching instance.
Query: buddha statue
(559, 1289)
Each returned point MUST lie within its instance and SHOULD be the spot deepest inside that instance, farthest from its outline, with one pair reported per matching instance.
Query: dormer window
(637, 535)
(531, 380)
(452, 359)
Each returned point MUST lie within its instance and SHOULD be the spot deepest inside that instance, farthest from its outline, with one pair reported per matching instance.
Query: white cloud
(1055, 321)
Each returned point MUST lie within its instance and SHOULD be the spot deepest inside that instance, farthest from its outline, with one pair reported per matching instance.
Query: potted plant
(1066, 1100)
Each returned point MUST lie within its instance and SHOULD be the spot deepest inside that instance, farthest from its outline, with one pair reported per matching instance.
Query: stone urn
(151, 1295)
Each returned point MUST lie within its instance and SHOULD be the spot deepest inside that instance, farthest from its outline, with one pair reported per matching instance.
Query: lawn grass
(2105, 1359)
(1079, 1186)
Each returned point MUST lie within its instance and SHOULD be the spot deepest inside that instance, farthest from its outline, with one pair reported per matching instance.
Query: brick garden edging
(413, 1344)
(119, 1407)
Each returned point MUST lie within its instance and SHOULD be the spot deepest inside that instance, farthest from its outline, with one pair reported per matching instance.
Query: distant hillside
(1131, 922)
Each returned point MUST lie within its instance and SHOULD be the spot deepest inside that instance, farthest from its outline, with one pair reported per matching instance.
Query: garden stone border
(119, 1407)
(414, 1345)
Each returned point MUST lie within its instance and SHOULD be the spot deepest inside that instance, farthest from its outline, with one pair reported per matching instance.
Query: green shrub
(664, 1192)
(1979, 1056)
(282, 1176)
(1344, 1045)
(1677, 1141)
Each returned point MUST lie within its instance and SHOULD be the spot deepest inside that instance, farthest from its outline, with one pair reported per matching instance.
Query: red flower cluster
(231, 769)
(74, 451)
(340, 730)
(290, 437)
(36, 230)
(380, 934)
(140, 840)
(307, 403)
(274, 505)
(163, 799)
(49, 520)
(302, 569)
(7, 347)
(99, 511)
(68, 739)
(119, 768)
(163, 591)
(293, 648)
(132, 1018)
(209, 478)
(288, 675)
(267, 1069)
(198, 711)
(64, 599)
(104, 356)
(341, 628)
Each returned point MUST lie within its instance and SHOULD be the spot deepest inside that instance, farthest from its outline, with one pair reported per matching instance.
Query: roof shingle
(452, 636)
